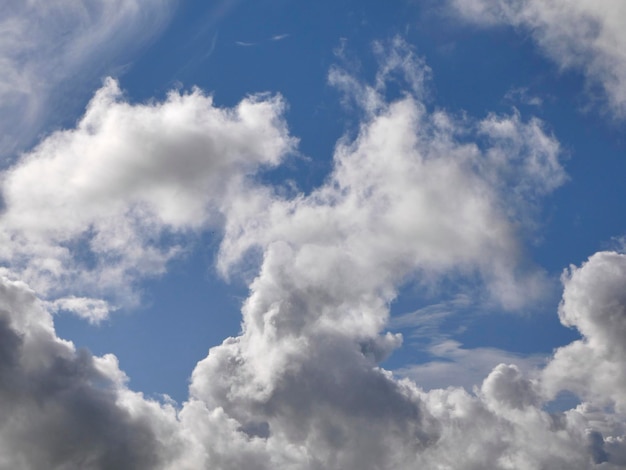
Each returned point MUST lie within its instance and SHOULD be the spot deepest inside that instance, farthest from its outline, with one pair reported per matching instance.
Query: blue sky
(235, 233)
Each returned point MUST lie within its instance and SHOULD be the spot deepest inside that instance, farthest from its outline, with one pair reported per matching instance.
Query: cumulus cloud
(411, 192)
(408, 199)
(64, 408)
(52, 49)
(333, 407)
(594, 302)
(581, 34)
(96, 207)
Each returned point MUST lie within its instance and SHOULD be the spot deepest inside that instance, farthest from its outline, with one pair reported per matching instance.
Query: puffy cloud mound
(408, 198)
(583, 34)
(594, 302)
(100, 205)
(330, 407)
(64, 408)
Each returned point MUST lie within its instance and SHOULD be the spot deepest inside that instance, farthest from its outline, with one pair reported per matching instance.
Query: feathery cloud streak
(49, 47)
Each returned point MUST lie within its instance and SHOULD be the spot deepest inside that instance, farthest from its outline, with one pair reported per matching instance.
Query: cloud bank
(417, 195)
(331, 408)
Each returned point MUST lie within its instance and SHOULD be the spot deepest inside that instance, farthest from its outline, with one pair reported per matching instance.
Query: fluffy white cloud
(97, 206)
(502, 428)
(506, 419)
(53, 52)
(408, 199)
(594, 302)
(409, 194)
(583, 34)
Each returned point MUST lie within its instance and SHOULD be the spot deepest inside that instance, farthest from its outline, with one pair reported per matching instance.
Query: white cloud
(411, 192)
(93, 310)
(425, 322)
(330, 408)
(586, 35)
(594, 302)
(279, 37)
(522, 95)
(455, 366)
(97, 207)
(406, 200)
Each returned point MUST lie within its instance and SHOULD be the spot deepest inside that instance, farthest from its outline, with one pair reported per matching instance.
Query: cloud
(506, 418)
(55, 51)
(594, 302)
(93, 310)
(407, 199)
(455, 366)
(330, 408)
(279, 37)
(522, 95)
(95, 208)
(576, 34)
(425, 321)
(275, 38)
(64, 408)
(410, 193)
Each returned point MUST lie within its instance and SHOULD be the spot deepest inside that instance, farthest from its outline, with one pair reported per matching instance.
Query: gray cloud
(64, 408)
(594, 302)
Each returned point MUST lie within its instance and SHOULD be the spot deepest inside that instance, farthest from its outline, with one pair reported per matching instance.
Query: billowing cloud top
(89, 207)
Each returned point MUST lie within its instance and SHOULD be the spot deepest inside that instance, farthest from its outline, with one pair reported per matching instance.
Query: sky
(310, 235)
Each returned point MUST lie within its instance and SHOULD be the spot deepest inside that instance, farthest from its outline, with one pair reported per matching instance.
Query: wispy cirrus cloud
(279, 37)
(54, 53)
